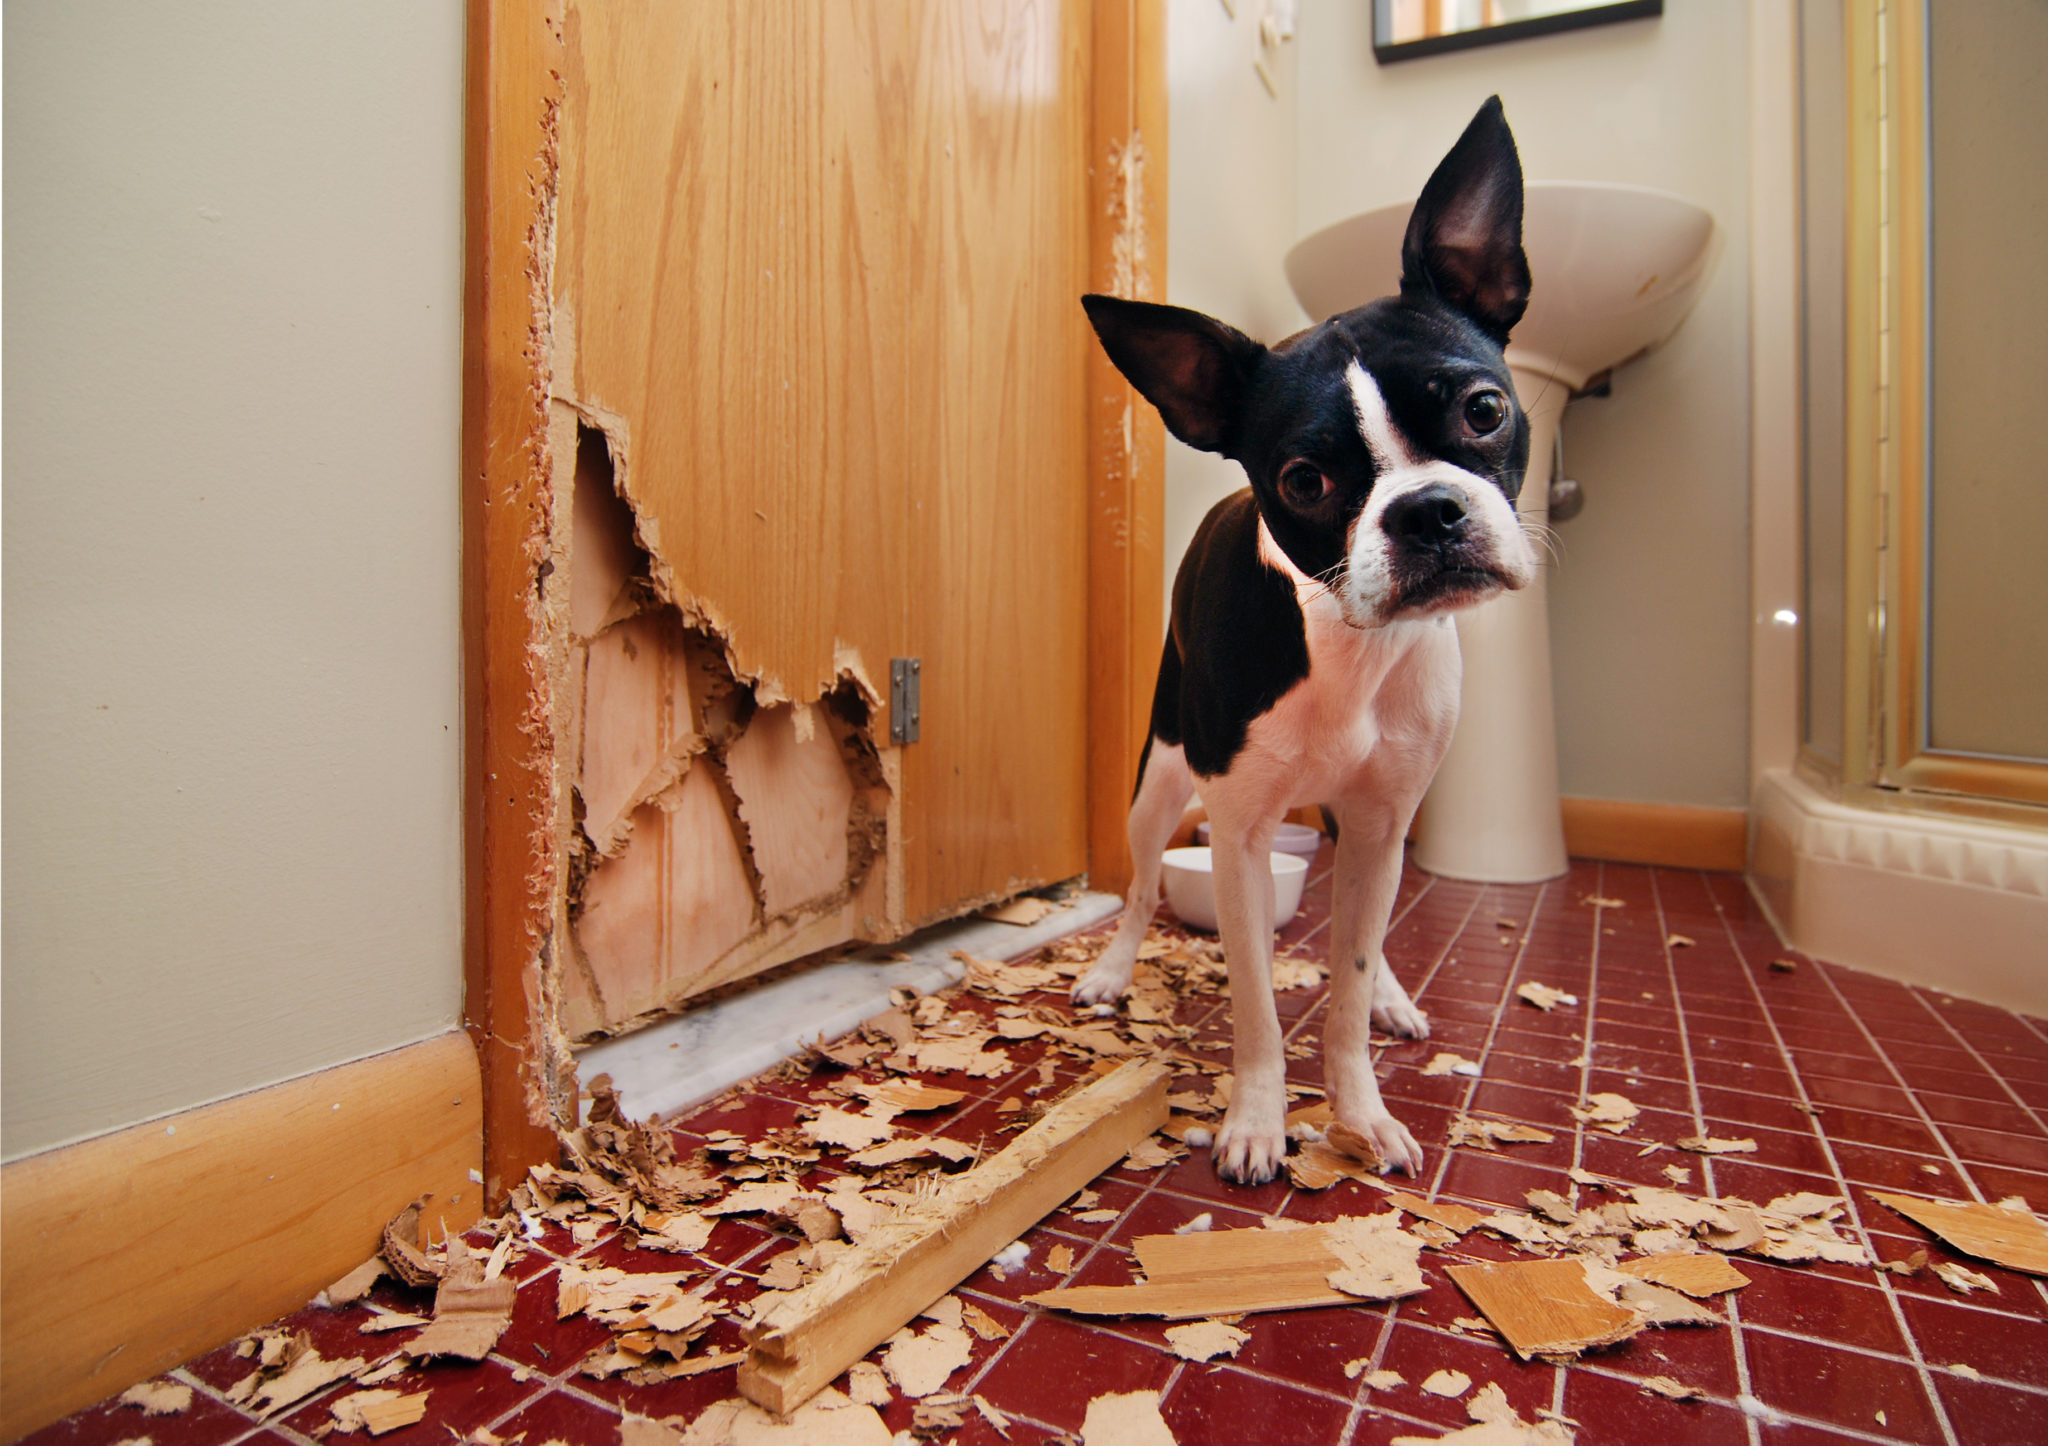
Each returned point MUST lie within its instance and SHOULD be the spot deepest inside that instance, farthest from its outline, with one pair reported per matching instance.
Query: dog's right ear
(1192, 367)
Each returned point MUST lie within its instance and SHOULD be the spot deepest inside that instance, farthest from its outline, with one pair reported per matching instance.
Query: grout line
(1827, 1146)
(1507, 992)
(1699, 1123)
(1586, 1046)
(1919, 1110)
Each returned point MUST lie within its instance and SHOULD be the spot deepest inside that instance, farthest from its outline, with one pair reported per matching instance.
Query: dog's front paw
(1396, 1147)
(1250, 1148)
(1401, 1019)
(1393, 1012)
(1103, 984)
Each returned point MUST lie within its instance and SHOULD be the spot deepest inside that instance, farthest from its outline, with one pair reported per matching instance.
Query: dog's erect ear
(1464, 243)
(1190, 366)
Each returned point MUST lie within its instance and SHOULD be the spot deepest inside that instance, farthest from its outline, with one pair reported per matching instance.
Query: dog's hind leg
(1164, 787)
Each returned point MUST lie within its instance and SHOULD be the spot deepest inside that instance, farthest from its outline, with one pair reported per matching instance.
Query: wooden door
(816, 337)
(774, 372)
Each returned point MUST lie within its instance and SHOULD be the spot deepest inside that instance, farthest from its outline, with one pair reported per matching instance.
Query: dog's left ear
(1464, 242)
(1192, 367)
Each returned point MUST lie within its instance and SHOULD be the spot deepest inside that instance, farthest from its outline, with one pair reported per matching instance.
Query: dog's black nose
(1427, 517)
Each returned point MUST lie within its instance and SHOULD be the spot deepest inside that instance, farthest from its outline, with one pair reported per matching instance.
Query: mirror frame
(1387, 53)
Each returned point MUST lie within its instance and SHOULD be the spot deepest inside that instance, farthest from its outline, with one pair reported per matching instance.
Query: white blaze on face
(1400, 468)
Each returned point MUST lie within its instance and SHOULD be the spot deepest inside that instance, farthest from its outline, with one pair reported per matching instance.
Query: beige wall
(1230, 214)
(232, 552)
(1649, 609)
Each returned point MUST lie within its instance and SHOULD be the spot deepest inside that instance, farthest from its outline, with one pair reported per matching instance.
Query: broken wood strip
(803, 1341)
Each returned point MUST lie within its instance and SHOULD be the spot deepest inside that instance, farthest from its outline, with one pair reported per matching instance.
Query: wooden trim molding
(510, 796)
(128, 1254)
(1126, 439)
(1675, 835)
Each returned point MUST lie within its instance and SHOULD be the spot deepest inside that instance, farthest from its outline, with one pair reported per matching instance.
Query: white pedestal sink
(1614, 271)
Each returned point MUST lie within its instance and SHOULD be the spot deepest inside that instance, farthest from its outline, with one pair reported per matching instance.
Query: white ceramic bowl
(1191, 887)
(1289, 838)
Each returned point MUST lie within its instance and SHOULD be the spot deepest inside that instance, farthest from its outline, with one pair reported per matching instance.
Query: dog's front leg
(1253, 1141)
(1368, 873)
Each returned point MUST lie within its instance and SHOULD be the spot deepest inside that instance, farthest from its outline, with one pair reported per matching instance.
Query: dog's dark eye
(1302, 485)
(1485, 411)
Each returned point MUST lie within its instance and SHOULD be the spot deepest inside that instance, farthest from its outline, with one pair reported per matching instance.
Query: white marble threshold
(688, 1058)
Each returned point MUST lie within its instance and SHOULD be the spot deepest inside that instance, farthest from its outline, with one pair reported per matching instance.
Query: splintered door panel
(817, 270)
(730, 290)
(995, 793)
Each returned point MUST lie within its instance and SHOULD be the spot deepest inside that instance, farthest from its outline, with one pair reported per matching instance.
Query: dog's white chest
(1366, 688)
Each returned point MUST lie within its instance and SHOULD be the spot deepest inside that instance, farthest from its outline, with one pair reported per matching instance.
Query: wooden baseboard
(1676, 835)
(128, 1254)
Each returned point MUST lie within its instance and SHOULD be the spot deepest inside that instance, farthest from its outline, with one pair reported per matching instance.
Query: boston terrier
(1312, 657)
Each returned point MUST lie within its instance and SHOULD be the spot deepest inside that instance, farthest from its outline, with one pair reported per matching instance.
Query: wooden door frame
(512, 101)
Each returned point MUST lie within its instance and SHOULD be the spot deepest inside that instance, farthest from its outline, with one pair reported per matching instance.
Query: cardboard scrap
(1670, 1389)
(378, 1411)
(402, 1252)
(1545, 1307)
(1318, 1165)
(1697, 1275)
(1447, 1382)
(1708, 1145)
(1206, 1340)
(1445, 1062)
(470, 1313)
(1543, 996)
(1060, 1259)
(828, 1419)
(2006, 1234)
(866, 1384)
(288, 1370)
(157, 1398)
(848, 1131)
(1961, 1279)
(905, 1096)
(920, 1363)
(895, 1152)
(1611, 1112)
(1447, 1213)
(356, 1284)
(1130, 1419)
(1022, 912)
(1228, 1272)
(981, 1322)
(1495, 1423)
(1492, 1134)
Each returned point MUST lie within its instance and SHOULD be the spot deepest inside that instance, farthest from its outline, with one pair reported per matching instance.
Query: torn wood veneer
(1545, 1307)
(803, 1341)
(2011, 1236)
(719, 828)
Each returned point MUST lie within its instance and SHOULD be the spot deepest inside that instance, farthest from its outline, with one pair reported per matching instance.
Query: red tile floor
(1849, 1083)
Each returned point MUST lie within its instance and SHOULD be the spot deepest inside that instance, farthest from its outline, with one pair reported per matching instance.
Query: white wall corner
(1775, 530)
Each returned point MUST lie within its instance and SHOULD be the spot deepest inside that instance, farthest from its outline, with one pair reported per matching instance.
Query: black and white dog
(1312, 657)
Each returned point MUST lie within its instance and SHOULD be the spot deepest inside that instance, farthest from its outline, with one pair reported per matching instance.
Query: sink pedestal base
(1492, 814)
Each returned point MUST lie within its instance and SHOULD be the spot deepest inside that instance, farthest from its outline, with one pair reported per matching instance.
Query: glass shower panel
(1986, 624)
